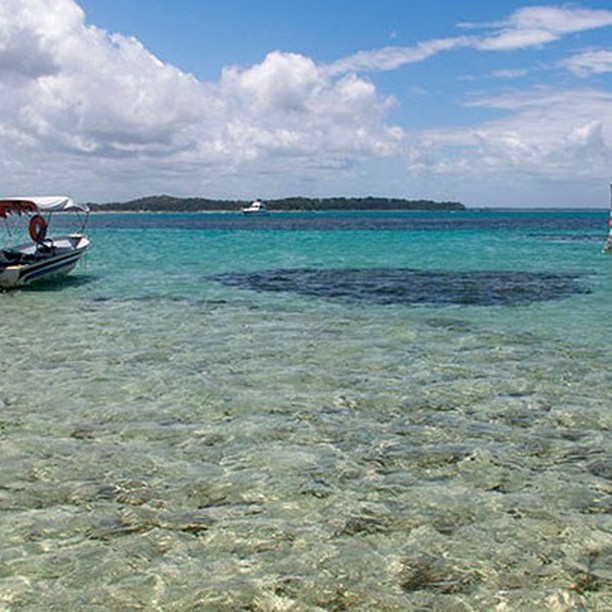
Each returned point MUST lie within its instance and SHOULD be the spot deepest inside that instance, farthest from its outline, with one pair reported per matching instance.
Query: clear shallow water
(172, 441)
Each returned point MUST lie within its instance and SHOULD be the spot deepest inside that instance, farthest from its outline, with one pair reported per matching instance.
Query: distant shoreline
(166, 203)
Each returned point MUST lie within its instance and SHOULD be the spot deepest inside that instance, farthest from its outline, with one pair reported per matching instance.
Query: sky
(494, 104)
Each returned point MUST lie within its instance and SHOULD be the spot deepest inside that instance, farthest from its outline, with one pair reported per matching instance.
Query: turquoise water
(222, 413)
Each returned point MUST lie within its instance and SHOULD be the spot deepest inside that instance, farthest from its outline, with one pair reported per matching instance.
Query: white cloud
(514, 73)
(557, 20)
(515, 39)
(526, 27)
(561, 135)
(98, 116)
(84, 91)
(538, 25)
(95, 104)
(391, 58)
(590, 62)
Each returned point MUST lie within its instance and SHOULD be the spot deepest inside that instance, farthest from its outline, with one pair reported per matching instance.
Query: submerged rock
(406, 286)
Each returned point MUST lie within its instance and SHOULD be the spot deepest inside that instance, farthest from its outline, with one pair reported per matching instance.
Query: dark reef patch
(406, 286)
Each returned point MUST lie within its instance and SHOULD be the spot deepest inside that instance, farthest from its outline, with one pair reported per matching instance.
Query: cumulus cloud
(97, 115)
(293, 107)
(91, 99)
(557, 134)
(83, 91)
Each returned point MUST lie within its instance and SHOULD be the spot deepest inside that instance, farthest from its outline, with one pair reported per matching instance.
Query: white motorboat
(255, 208)
(44, 257)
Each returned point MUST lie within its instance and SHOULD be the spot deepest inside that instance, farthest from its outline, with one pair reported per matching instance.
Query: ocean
(312, 411)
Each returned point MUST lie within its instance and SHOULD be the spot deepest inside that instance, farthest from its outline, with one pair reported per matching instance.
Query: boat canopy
(39, 204)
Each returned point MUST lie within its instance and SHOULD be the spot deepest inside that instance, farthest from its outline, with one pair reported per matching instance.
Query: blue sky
(493, 103)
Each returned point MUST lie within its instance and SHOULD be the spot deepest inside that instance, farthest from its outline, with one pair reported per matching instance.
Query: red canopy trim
(16, 207)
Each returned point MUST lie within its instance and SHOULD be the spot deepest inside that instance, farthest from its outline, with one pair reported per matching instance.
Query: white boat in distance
(44, 257)
(255, 208)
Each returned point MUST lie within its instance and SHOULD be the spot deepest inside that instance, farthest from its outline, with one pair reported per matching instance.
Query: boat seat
(11, 256)
(16, 256)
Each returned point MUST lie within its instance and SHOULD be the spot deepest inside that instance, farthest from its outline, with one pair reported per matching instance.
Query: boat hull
(59, 262)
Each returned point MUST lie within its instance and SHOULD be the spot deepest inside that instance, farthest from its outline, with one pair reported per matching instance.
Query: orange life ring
(37, 228)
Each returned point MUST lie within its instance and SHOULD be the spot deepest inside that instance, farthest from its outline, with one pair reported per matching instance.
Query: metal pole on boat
(610, 211)
(608, 245)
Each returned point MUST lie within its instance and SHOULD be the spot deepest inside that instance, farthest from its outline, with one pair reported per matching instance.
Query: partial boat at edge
(45, 257)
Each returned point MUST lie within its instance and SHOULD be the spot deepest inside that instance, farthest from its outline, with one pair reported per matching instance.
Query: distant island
(165, 203)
